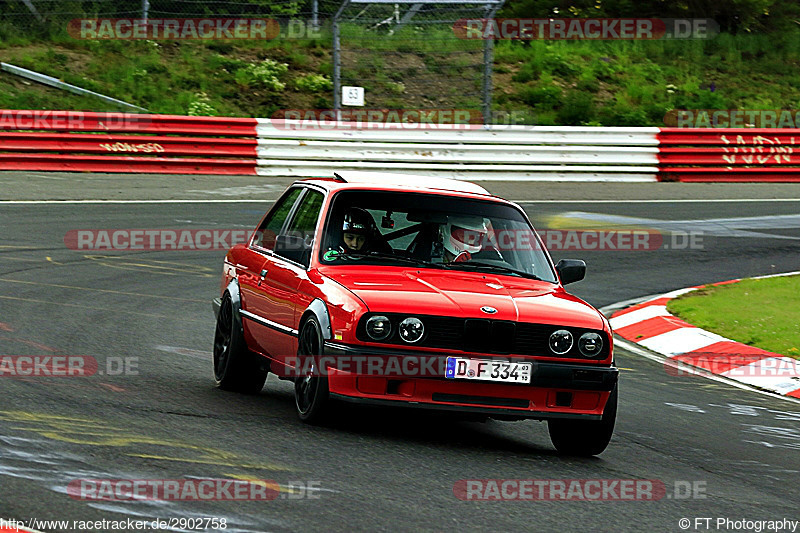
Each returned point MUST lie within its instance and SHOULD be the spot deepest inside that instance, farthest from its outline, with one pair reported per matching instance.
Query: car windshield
(433, 231)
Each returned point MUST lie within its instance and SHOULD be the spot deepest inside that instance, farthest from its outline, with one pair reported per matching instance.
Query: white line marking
(193, 201)
(679, 201)
(584, 201)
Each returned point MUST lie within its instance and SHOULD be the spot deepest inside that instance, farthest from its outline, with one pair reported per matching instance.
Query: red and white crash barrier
(170, 144)
(729, 154)
(126, 142)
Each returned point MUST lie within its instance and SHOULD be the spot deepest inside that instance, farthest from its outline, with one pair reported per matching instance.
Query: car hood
(463, 294)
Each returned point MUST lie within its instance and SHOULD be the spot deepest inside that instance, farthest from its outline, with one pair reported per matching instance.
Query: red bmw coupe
(419, 292)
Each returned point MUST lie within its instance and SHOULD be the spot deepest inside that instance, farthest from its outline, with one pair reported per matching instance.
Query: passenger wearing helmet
(464, 237)
(356, 229)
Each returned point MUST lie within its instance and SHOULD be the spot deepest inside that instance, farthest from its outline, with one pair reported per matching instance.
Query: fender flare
(320, 312)
(236, 303)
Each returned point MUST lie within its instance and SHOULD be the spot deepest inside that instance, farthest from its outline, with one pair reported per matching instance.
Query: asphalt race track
(371, 470)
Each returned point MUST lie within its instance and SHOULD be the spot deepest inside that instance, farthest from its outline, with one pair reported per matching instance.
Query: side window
(304, 222)
(295, 243)
(274, 222)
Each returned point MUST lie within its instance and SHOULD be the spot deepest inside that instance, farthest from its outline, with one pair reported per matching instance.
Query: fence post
(337, 61)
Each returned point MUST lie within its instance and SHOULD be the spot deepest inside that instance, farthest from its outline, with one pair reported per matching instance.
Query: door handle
(263, 275)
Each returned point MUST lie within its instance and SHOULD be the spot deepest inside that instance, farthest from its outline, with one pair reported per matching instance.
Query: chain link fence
(52, 16)
(406, 55)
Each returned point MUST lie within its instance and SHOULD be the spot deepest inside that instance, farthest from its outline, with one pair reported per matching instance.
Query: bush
(578, 109)
(201, 106)
(313, 83)
(265, 74)
(623, 114)
(528, 72)
(548, 96)
(560, 66)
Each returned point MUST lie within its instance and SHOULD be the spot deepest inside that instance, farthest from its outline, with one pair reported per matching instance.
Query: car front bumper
(557, 390)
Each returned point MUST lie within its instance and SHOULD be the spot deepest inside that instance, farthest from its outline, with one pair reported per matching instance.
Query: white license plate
(488, 370)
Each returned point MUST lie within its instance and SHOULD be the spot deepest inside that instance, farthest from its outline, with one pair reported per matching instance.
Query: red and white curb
(651, 326)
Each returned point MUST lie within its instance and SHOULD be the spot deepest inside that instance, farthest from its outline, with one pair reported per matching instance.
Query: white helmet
(464, 234)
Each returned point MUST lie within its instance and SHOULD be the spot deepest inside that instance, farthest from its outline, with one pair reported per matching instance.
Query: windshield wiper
(494, 267)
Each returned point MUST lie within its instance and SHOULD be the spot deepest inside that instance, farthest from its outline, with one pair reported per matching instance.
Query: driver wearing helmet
(464, 237)
(356, 229)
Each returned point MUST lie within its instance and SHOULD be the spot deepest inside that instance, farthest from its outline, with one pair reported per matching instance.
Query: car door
(251, 272)
(286, 270)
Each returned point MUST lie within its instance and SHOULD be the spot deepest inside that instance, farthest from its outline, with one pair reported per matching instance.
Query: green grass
(758, 312)
(608, 83)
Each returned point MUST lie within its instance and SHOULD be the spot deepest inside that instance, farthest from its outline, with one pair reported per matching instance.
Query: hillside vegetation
(750, 65)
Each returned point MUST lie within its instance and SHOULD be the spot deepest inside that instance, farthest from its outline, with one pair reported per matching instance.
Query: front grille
(442, 332)
(481, 335)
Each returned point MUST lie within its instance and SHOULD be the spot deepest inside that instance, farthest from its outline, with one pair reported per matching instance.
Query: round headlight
(379, 328)
(561, 341)
(411, 329)
(590, 344)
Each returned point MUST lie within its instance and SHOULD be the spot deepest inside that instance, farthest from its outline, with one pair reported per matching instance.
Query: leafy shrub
(578, 109)
(587, 82)
(313, 83)
(266, 74)
(201, 106)
(623, 114)
(528, 72)
(560, 65)
(548, 96)
(396, 87)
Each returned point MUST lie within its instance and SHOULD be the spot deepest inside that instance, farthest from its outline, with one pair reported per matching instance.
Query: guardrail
(503, 153)
(730, 154)
(122, 142)
(126, 142)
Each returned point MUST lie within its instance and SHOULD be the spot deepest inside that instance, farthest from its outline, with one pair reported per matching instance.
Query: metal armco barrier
(122, 142)
(522, 153)
(76, 141)
(730, 154)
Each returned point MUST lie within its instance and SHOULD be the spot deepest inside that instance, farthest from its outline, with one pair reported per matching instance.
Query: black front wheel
(584, 438)
(311, 395)
(236, 368)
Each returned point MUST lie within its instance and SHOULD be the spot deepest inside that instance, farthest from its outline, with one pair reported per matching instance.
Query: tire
(584, 438)
(236, 368)
(311, 396)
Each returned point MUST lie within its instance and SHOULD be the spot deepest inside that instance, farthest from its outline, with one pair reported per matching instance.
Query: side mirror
(571, 270)
(293, 247)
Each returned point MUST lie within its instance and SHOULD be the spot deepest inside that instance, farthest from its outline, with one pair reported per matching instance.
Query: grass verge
(758, 312)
